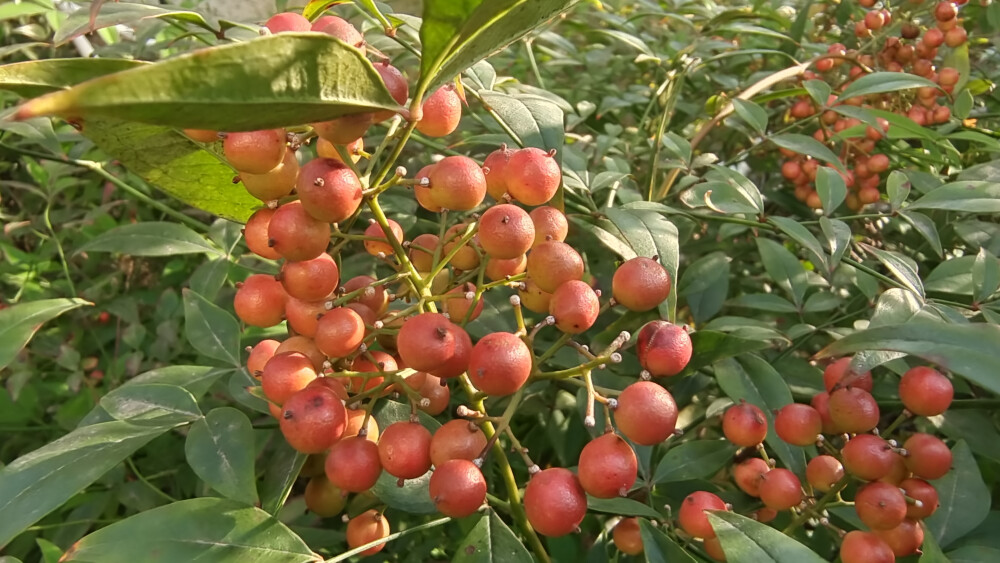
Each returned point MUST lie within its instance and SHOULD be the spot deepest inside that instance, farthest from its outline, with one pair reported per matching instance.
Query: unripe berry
(404, 450)
(627, 537)
(925, 391)
(646, 413)
(296, 235)
(255, 152)
(905, 539)
(313, 419)
(744, 425)
(382, 246)
(692, 518)
(553, 263)
(780, 489)
(421, 251)
(275, 183)
(929, 458)
(255, 234)
(260, 301)
(286, 374)
(747, 475)
(867, 457)
(366, 528)
(880, 506)
(457, 488)
(575, 307)
(838, 373)
(533, 298)
(823, 471)
(922, 491)
(340, 332)
(532, 176)
(353, 464)
(497, 270)
(506, 231)
(607, 467)
(500, 364)
(457, 439)
(459, 301)
(664, 349)
(550, 224)
(466, 257)
(798, 424)
(442, 111)
(457, 183)
(495, 167)
(865, 547)
(323, 498)
(853, 410)
(640, 284)
(555, 502)
(311, 280)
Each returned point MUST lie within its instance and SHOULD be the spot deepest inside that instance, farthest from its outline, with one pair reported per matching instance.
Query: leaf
(175, 165)
(964, 498)
(628, 39)
(818, 90)
(621, 506)
(838, 238)
(971, 197)
(83, 21)
(831, 189)
(153, 238)
(711, 346)
(651, 234)
(723, 197)
(18, 323)
(413, 497)
(696, 459)
(968, 350)
(749, 541)
(282, 79)
(201, 529)
(803, 237)
(283, 467)
(784, 269)
(661, 548)
(963, 104)
(752, 113)
(973, 554)
(881, 82)
(704, 285)
(901, 267)
(806, 145)
(931, 551)
(985, 275)
(489, 541)
(537, 122)
(457, 34)
(764, 302)
(211, 330)
(39, 482)
(35, 78)
(926, 227)
(152, 404)
(220, 450)
(973, 426)
(754, 380)
(209, 278)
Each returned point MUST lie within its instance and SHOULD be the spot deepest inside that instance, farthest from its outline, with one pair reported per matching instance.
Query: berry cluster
(905, 47)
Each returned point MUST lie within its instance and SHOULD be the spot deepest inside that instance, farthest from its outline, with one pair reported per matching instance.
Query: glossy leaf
(491, 541)
(881, 82)
(39, 482)
(195, 379)
(201, 529)
(764, 302)
(661, 548)
(696, 459)
(413, 497)
(152, 238)
(274, 81)
(281, 471)
(220, 450)
(711, 346)
(748, 541)
(985, 275)
(752, 113)
(783, 268)
(704, 284)
(621, 506)
(831, 189)
(926, 227)
(964, 498)
(838, 238)
(35, 78)
(18, 323)
(806, 145)
(537, 122)
(211, 330)
(971, 197)
(152, 404)
(81, 21)
(803, 237)
(901, 267)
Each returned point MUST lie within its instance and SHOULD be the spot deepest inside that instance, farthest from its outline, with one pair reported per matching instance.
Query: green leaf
(752, 113)
(831, 189)
(963, 104)
(651, 234)
(274, 81)
(696, 459)
(537, 122)
(754, 380)
(803, 144)
(711, 346)
(211, 330)
(901, 267)
(705, 284)
(931, 551)
(764, 302)
(201, 529)
(152, 404)
(661, 548)
(457, 34)
(153, 238)
(881, 82)
(975, 427)
(174, 164)
(220, 450)
(973, 554)
(413, 497)
(985, 275)
(39, 482)
(898, 189)
(971, 197)
(628, 39)
(964, 498)
(621, 506)
(283, 467)
(489, 541)
(35, 78)
(79, 22)
(18, 323)
(784, 268)
(968, 350)
(804, 237)
(209, 277)
(722, 197)
(926, 227)
(749, 541)
(818, 90)
(838, 238)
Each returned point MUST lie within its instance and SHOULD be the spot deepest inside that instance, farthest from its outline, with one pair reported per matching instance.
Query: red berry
(798, 424)
(927, 456)
(925, 391)
(555, 502)
(744, 425)
(853, 410)
(457, 488)
(867, 457)
(554, 263)
(295, 234)
(457, 183)
(838, 374)
(457, 439)
(426, 341)
(313, 419)
(880, 506)
(500, 364)
(821, 402)
(865, 547)
(905, 539)
(506, 231)
(646, 413)
(532, 176)
(340, 332)
(311, 280)
(366, 528)
(780, 489)
(259, 356)
(395, 82)
(627, 536)
(607, 467)
(925, 495)
(663, 348)
(640, 284)
(550, 224)
(692, 517)
(747, 475)
(823, 471)
(329, 189)
(353, 464)
(575, 306)
(442, 112)
(260, 301)
(255, 152)
(286, 374)
(495, 167)
(404, 449)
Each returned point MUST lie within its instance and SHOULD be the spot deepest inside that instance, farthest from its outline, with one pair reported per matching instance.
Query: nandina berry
(355, 418)
(945, 11)
(373, 296)
(457, 439)
(260, 301)
(555, 502)
(295, 234)
(461, 302)
(365, 528)
(823, 472)
(275, 183)
(323, 498)
(853, 410)
(404, 450)
(867, 457)
(533, 176)
(457, 183)
(874, 20)
(627, 536)
(880, 506)
(345, 130)
(640, 284)
(457, 488)
(421, 251)
(747, 475)
(255, 234)
(780, 489)
(927, 456)
(575, 306)
(495, 167)
(533, 298)
(305, 346)
(259, 355)
(553, 263)
(432, 388)
(956, 37)
(458, 362)
(744, 425)
(353, 464)
(383, 246)
(821, 402)
(329, 190)
(340, 332)
(692, 517)
(303, 316)
(865, 547)
(395, 83)
(607, 467)
(646, 413)
(326, 149)
(341, 29)
(311, 280)
(500, 364)
(374, 361)
(313, 419)
(664, 349)
(466, 257)
(550, 224)
(422, 189)
(425, 341)
(497, 269)
(925, 391)
(924, 495)
(898, 471)
(442, 111)
(506, 231)
(798, 424)
(255, 152)
(905, 539)
(202, 135)
(838, 374)
(286, 374)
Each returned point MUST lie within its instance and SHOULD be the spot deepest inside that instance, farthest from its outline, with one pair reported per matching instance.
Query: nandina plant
(567, 314)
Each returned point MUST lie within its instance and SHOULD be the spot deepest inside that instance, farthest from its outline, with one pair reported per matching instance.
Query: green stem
(533, 63)
(59, 248)
(426, 526)
(827, 498)
(138, 475)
